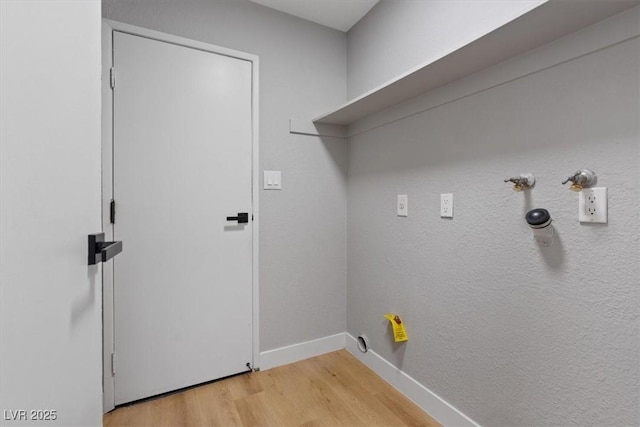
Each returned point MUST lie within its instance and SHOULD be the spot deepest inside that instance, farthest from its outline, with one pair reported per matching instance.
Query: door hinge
(112, 211)
(112, 77)
(113, 363)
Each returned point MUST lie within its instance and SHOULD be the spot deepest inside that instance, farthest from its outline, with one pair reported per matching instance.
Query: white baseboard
(430, 402)
(304, 350)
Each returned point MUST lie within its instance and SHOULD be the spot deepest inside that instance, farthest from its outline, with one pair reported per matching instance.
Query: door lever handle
(101, 251)
(242, 218)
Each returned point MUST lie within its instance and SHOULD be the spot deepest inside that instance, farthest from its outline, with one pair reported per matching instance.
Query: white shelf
(547, 22)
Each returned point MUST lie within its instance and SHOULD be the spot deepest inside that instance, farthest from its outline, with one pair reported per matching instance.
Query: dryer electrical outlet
(592, 205)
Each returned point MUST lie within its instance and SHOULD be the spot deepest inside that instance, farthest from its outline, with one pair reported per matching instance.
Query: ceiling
(338, 14)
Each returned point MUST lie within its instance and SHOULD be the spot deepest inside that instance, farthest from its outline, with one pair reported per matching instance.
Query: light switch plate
(446, 205)
(272, 180)
(403, 205)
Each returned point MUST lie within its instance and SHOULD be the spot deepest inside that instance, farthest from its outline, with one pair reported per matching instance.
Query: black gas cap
(538, 218)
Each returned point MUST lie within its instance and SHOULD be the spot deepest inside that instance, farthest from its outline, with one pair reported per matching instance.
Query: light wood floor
(334, 389)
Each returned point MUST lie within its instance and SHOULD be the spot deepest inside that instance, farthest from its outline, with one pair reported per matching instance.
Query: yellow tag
(399, 333)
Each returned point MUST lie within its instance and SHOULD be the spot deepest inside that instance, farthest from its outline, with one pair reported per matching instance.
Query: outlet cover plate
(446, 205)
(592, 205)
(403, 205)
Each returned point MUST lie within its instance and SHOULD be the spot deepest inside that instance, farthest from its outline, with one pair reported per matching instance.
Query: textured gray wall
(303, 227)
(397, 35)
(510, 333)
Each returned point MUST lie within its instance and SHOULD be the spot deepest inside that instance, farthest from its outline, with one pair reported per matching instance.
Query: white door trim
(108, 27)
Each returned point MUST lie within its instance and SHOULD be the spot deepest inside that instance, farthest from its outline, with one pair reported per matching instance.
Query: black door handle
(242, 218)
(101, 251)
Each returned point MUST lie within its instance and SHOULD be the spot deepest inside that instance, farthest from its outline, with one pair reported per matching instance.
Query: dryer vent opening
(363, 343)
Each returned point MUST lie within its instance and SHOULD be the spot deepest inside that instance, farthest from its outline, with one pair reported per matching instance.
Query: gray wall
(507, 331)
(303, 227)
(397, 35)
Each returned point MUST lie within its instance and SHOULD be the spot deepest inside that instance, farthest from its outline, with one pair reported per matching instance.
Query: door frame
(108, 28)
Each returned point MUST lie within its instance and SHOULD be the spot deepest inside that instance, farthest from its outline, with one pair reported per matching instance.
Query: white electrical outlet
(592, 205)
(446, 205)
(403, 205)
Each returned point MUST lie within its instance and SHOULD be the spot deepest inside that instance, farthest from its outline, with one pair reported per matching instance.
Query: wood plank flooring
(334, 389)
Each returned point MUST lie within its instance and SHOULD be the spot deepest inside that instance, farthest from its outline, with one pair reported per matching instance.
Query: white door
(182, 162)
